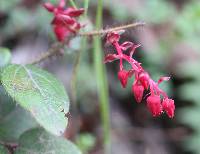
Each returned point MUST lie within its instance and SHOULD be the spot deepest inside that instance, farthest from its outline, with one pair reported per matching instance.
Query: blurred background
(170, 47)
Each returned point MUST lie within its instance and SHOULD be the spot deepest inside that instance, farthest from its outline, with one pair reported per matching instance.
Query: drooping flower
(64, 22)
(123, 77)
(168, 107)
(154, 105)
(138, 91)
(143, 81)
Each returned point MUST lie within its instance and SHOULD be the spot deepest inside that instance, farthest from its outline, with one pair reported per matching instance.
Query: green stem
(102, 81)
(76, 69)
(78, 57)
(86, 5)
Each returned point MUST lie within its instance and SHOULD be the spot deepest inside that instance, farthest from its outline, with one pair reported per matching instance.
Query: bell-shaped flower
(123, 76)
(144, 79)
(138, 91)
(154, 105)
(168, 107)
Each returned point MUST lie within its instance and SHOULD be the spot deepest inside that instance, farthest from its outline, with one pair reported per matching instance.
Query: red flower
(61, 33)
(154, 105)
(142, 79)
(138, 91)
(64, 22)
(112, 37)
(169, 107)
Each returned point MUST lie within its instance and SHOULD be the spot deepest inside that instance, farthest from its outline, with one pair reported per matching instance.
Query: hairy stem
(105, 31)
(49, 53)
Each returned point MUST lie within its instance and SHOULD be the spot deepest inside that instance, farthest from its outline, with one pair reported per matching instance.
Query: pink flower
(138, 91)
(64, 22)
(169, 107)
(154, 105)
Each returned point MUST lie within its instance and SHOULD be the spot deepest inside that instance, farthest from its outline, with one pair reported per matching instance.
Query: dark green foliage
(38, 141)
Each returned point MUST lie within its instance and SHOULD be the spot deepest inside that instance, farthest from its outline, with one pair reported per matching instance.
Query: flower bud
(123, 77)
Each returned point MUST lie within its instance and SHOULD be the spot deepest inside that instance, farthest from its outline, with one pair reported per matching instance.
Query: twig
(49, 53)
(9, 144)
(105, 31)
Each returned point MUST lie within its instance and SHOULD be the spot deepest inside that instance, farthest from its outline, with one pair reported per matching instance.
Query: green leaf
(14, 124)
(39, 92)
(5, 56)
(6, 104)
(38, 141)
(3, 150)
(14, 120)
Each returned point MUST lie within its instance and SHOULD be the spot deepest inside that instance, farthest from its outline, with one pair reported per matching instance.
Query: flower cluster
(64, 22)
(157, 100)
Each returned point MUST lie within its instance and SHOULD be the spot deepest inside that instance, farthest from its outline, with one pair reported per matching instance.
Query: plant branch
(105, 31)
(55, 49)
(10, 145)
